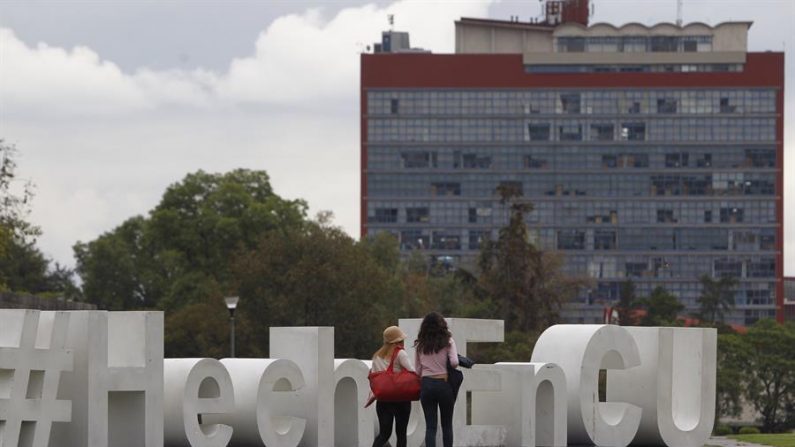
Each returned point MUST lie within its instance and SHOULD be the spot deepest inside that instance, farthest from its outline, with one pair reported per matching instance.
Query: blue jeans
(437, 394)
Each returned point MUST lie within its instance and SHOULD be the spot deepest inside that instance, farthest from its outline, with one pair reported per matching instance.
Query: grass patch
(775, 440)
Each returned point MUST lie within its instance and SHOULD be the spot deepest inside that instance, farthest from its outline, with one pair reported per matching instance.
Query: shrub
(748, 430)
(722, 430)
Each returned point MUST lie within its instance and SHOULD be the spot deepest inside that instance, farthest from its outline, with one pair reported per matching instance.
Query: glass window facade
(656, 185)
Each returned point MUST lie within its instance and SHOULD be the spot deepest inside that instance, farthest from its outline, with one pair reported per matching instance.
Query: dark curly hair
(434, 335)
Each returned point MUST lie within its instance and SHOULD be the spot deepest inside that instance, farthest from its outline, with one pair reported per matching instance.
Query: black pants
(437, 394)
(386, 411)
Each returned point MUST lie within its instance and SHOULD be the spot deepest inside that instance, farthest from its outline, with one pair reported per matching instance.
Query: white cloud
(103, 144)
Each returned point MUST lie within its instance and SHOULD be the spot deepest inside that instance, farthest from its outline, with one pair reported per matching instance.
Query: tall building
(649, 153)
(789, 298)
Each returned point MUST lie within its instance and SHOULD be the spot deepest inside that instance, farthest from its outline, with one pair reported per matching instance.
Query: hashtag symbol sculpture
(32, 357)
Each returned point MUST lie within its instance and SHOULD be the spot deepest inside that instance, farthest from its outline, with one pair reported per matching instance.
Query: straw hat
(393, 334)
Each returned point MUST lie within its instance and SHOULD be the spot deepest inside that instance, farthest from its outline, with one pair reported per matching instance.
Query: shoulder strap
(395, 353)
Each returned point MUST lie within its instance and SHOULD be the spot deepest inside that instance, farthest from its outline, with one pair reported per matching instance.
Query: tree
(315, 275)
(662, 308)
(527, 284)
(23, 268)
(628, 303)
(717, 298)
(186, 244)
(765, 358)
(729, 380)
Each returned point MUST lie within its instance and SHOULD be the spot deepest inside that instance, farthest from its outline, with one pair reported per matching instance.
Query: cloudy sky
(110, 101)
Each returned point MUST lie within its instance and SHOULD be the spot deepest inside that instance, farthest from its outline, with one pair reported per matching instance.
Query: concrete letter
(581, 351)
(32, 360)
(675, 385)
(194, 389)
(117, 385)
(266, 398)
(353, 424)
(312, 349)
(532, 403)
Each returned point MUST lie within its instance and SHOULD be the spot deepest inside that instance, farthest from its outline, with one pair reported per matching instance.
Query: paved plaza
(721, 441)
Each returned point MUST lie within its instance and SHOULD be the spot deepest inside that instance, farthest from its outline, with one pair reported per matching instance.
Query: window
(731, 215)
(535, 163)
(394, 106)
(705, 161)
(666, 105)
(480, 214)
(665, 216)
(665, 44)
(416, 159)
(676, 160)
(477, 237)
(445, 189)
(446, 241)
(538, 132)
(635, 269)
(767, 242)
(690, 46)
(414, 239)
(602, 132)
(417, 215)
(570, 102)
(760, 158)
(571, 240)
(570, 132)
(726, 107)
(385, 215)
(604, 240)
(633, 131)
(728, 267)
(708, 216)
(571, 44)
(471, 161)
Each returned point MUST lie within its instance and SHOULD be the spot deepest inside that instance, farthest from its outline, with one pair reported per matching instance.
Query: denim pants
(437, 395)
(387, 411)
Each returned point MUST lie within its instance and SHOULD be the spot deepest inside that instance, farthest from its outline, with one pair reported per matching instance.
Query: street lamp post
(231, 304)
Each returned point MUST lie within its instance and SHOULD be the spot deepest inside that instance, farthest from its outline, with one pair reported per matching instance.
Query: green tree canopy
(317, 275)
(716, 299)
(764, 359)
(662, 308)
(527, 284)
(187, 243)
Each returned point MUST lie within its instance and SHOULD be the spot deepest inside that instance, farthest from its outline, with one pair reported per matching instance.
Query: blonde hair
(385, 352)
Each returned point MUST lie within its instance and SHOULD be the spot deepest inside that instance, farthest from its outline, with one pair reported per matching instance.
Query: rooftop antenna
(391, 19)
(679, 7)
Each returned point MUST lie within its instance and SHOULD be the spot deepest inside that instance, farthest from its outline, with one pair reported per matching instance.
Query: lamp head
(231, 303)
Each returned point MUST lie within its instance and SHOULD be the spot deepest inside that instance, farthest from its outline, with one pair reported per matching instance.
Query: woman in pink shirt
(434, 349)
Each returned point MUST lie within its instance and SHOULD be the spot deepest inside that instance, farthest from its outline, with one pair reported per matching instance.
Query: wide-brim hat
(394, 334)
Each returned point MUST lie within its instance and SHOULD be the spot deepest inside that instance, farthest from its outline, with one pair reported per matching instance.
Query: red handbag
(391, 386)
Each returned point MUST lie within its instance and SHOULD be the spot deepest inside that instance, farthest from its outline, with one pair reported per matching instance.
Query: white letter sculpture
(675, 385)
(581, 351)
(266, 402)
(117, 385)
(196, 388)
(353, 424)
(532, 402)
(32, 357)
(312, 349)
